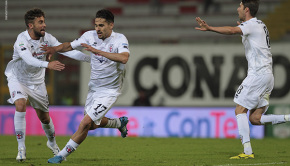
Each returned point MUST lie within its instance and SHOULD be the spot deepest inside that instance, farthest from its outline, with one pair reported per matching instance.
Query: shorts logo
(69, 149)
(19, 134)
(13, 94)
(239, 91)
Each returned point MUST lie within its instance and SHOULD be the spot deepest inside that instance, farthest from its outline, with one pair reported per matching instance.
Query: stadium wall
(194, 122)
(193, 74)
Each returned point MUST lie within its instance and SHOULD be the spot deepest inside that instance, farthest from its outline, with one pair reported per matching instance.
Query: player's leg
(118, 123)
(19, 97)
(48, 127)
(38, 99)
(20, 127)
(98, 106)
(244, 128)
(78, 137)
(257, 117)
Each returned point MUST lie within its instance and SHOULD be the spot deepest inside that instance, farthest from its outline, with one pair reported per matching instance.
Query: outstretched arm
(227, 30)
(117, 57)
(64, 47)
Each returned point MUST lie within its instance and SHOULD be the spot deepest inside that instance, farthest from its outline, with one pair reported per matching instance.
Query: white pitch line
(254, 164)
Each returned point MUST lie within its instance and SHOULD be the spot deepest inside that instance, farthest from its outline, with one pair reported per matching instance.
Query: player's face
(38, 26)
(241, 12)
(103, 28)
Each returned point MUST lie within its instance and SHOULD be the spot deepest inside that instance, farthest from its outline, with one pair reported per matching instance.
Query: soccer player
(254, 92)
(109, 54)
(25, 74)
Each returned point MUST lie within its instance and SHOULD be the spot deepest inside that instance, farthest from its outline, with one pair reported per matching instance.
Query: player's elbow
(125, 58)
(234, 30)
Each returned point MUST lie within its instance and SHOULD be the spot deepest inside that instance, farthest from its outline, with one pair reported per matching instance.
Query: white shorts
(97, 106)
(254, 92)
(36, 94)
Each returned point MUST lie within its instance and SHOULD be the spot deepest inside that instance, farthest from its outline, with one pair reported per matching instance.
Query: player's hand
(50, 51)
(56, 65)
(90, 48)
(203, 25)
(238, 22)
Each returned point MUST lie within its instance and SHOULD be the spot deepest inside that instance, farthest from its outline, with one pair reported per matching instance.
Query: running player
(254, 92)
(109, 54)
(25, 74)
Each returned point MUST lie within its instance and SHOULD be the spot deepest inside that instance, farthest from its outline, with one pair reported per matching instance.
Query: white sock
(20, 128)
(274, 119)
(68, 149)
(287, 117)
(49, 132)
(113, 123)
(244, 128)
(244, 131)
(248, 148)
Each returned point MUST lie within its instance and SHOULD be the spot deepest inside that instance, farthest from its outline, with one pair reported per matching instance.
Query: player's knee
(86, 124)
(44, 120)
(255, 120)
(20, 105)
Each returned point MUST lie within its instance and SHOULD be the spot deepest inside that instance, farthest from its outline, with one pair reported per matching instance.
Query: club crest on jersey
(19, 134)
(111, 47)
(45, 43)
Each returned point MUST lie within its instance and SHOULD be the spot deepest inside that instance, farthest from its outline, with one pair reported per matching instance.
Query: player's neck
(32, 35)
(248, 17)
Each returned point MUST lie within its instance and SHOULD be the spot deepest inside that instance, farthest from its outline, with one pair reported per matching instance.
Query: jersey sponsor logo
(94, 44)
(38, 55)
(23, 48)
(19, 134)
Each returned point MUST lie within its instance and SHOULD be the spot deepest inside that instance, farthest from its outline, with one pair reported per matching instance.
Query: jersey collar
(27, 35)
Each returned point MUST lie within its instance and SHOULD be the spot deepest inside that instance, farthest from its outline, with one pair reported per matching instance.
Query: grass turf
(116, 151)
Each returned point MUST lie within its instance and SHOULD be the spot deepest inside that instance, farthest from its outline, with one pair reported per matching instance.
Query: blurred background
(171, 65)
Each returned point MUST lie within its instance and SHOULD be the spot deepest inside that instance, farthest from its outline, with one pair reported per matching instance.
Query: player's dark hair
(106, 14)
(32, 14)
(253, 5)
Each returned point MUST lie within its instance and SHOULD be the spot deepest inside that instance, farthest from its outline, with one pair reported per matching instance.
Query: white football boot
(21, 156)
(55, 150)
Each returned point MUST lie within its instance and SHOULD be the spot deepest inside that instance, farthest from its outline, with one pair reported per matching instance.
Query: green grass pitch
(116, 151)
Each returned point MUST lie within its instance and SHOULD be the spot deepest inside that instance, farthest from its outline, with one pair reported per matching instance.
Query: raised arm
(227, 30)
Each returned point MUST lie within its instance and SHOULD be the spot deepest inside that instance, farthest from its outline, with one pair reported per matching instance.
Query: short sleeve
(246, 28)
(76, 44)
(123, 45)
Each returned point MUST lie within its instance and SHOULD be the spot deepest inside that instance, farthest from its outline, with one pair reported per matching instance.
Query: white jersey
(28, 63)
(257, 47)
(106, 75)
